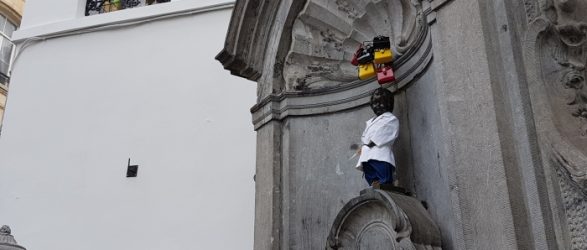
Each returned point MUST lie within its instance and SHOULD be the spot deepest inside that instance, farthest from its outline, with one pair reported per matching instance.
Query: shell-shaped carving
(327, 33)
(382, 220)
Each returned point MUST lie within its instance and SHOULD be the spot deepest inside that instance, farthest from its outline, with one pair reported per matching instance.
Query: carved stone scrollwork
(532, 10)
(7, 241)
(383, 220)
(327, 33)
(574, 79)
(561, 51)
(314, 72)
(564, 56)
(557, 54)
(574, 198)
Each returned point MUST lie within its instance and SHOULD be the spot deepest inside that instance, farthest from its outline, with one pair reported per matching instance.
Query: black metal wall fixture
(131, 170)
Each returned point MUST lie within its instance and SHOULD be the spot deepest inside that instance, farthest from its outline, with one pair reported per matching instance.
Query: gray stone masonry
(491, 98)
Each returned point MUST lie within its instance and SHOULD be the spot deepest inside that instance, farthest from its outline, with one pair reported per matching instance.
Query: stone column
(468, 141)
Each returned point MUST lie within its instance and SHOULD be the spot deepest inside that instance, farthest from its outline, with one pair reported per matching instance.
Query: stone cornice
(248, 34)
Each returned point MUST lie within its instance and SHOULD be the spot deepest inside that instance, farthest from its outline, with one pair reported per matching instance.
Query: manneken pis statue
(376, 156)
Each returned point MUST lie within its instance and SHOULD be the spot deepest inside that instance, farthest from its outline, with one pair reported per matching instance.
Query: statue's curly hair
(386, 97)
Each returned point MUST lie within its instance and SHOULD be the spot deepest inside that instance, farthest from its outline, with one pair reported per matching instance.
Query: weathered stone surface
(7, 241)
(327, 33)
(555, 55)
(383, 220)
(268, 185)
(318, 177)
(468, 143)
(492, 106)
(245, 43)
(429, 176)
(276, 103)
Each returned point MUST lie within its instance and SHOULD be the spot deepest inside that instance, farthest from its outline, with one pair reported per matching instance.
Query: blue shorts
(378, 171)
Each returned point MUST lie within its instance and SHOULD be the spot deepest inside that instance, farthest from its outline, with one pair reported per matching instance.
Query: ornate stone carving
(299, 51)
(5, 230)
(564, 56)
(556, 55)
(532, 10)
(381, 220)
(575, 79)
(327, 33)
(7, 242)
(246, 39)
(574, 201)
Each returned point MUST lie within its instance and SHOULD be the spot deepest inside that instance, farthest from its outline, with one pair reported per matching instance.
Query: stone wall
(490, 95)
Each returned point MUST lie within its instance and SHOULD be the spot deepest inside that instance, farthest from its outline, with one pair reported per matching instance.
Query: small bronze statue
(376, 156)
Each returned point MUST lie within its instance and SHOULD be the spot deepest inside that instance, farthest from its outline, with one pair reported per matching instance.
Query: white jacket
(382, 130)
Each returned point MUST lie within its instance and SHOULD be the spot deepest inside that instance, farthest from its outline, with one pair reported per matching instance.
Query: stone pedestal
(380, 219)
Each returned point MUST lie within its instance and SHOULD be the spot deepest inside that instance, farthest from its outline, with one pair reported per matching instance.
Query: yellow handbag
(383, 56)
(366, 71)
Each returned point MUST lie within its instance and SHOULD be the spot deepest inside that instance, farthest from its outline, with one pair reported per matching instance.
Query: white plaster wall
(43, 12)
(39, 12)
(80, 106)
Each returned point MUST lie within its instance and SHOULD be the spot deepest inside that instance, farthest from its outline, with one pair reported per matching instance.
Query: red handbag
(385, 74)
(355, 60)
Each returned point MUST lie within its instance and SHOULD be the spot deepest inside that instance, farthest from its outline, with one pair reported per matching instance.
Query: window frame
(97, 7)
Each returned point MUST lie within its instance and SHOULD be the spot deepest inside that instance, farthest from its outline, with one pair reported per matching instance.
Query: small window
(6, 48)
(94, 7)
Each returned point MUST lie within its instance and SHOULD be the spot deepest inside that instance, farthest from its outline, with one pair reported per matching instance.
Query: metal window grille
(94, 7)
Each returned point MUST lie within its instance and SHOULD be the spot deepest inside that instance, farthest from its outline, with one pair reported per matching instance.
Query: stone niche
(311, 107)
(327, 33)
(492, 107)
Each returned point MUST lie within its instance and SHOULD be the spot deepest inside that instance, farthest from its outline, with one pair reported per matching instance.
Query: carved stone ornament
(327, 33)
(556, 50)
(299, 52)
(532, 10)
(561, 51)
(383, 220)
(574, 200)
(7, 241)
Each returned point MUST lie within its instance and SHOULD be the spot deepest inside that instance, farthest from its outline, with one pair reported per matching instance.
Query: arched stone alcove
(311, 106)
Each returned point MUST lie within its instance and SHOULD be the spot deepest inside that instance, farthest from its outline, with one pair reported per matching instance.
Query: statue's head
(5, 230)
(381, 101)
